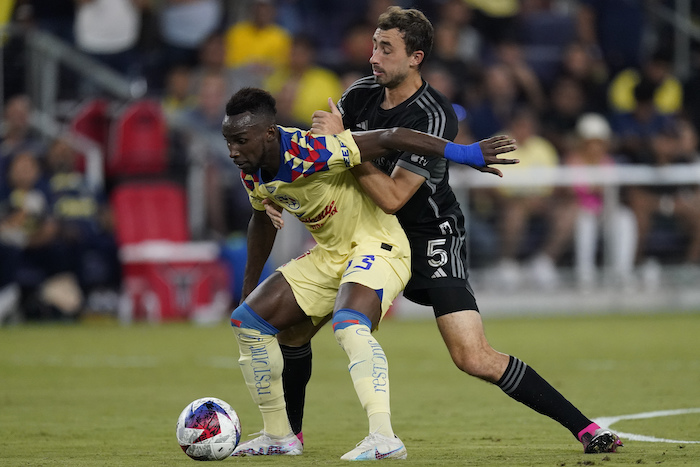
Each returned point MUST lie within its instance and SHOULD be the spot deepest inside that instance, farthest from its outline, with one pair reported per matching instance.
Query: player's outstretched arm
(376, 143)
(490, 149)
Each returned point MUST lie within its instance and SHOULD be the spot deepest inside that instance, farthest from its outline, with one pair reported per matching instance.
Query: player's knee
(244, 317)
(346, 317)
(468, 364)
(348, 323)
(475, 363)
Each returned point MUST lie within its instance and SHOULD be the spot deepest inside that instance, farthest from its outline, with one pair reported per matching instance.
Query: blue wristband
(469, 155)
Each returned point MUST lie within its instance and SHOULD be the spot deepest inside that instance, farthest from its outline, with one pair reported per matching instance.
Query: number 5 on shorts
(365, 264)
(435, 250)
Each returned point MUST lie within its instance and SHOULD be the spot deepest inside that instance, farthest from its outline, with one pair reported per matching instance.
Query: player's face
(390, 62)
(248, 138)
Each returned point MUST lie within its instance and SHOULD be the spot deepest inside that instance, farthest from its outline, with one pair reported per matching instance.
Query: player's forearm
(373, 144)
(261, 238)
(378, 143)
(388, 193)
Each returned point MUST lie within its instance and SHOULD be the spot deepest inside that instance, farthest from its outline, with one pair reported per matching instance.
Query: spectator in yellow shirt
(302, 87)
(258, 44)
(668, 90)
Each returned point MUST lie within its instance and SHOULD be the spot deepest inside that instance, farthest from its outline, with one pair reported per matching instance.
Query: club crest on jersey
(288, 201)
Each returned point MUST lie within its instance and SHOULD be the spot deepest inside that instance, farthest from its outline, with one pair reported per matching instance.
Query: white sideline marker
(608, 421)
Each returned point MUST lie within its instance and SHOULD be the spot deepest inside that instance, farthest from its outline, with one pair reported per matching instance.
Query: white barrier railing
(610, 177)
(682, 295)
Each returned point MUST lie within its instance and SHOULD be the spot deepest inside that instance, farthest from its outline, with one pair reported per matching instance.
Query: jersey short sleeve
(420, 164)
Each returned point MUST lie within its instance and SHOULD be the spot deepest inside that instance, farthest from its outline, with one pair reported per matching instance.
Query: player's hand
(327, 123)
(491, 148)
(274, 212)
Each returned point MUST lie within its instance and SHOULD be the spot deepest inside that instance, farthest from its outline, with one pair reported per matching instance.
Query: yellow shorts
(316, 276)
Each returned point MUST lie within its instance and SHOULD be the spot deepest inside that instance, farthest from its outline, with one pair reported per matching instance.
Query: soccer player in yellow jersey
(359, 265)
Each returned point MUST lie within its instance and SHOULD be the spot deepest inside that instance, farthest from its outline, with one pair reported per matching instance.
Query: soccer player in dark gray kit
(416, 188)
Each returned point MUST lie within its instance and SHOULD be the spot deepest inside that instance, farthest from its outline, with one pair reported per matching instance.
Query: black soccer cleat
(602, 441)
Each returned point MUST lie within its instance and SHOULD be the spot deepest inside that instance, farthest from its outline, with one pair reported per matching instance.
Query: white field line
(609, 421)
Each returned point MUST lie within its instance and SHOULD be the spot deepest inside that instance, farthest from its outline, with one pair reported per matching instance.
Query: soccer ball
(208, 429)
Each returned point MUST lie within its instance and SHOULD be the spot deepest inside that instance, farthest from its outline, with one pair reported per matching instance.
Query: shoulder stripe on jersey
(441, 111)
(363, 83)
(434, 206)
(437, 120)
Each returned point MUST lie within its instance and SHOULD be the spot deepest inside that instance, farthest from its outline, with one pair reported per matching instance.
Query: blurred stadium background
(118, 205)
(132, 211)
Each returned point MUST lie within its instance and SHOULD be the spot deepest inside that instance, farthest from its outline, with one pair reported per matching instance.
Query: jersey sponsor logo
(385, 164)
(327, 212)
(363, 125)
(346, 154)
(260, 362)
(420, 160)
(288, 201)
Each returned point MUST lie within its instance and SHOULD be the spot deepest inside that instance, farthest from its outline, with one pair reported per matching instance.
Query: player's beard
(390, 81)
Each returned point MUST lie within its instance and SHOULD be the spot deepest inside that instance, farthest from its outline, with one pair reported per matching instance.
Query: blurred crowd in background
(575, 82)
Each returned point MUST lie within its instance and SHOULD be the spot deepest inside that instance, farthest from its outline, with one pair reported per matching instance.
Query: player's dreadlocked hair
(253, 100)
(416, 28)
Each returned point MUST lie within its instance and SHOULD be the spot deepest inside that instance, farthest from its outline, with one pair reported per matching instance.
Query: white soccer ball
(208, 429)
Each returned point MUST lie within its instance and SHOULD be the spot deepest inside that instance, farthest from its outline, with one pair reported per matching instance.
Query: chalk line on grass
(609, 421)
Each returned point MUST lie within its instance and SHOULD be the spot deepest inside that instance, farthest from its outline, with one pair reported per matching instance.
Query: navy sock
(295, 377)
(523, 384)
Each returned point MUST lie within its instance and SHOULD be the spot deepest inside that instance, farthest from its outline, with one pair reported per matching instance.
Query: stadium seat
(165, 275)
(138, 141)
(544, 38)
(150, 211)
(92, 121)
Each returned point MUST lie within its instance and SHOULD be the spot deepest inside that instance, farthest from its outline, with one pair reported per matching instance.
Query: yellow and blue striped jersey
(314, 184)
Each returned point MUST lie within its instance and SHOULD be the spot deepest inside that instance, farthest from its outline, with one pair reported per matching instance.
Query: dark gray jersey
(428, 111)
(432, 218)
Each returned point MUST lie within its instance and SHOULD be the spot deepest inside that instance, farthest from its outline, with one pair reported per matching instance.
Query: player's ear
(417, 58)
(271, 132)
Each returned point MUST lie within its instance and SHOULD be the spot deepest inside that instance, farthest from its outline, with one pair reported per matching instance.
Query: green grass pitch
(99, 394)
